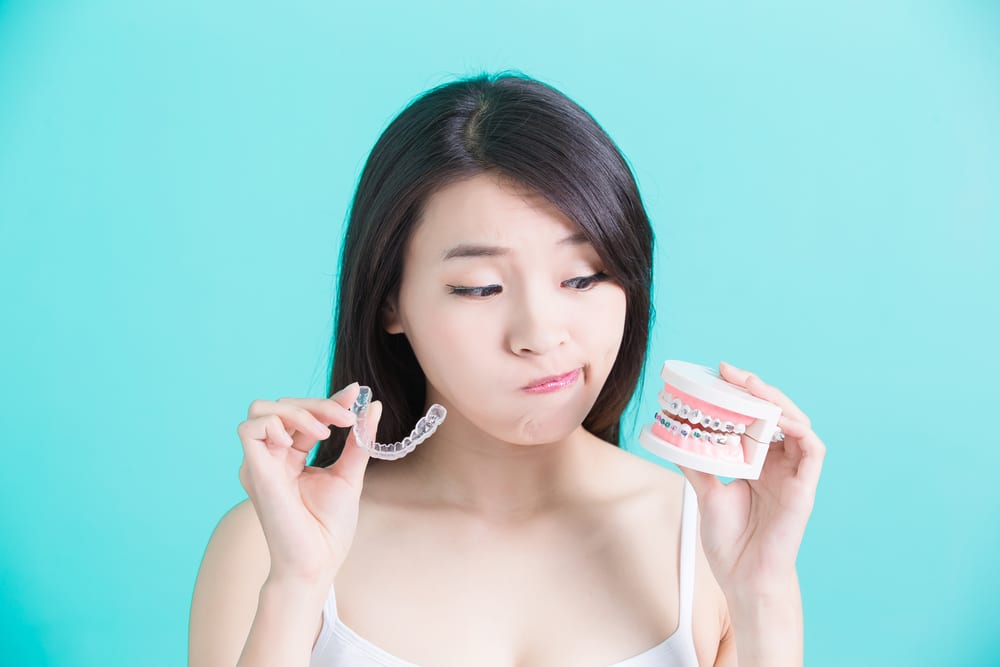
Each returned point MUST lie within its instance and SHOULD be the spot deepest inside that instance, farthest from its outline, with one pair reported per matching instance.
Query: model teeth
(700, 424)
(684, 430)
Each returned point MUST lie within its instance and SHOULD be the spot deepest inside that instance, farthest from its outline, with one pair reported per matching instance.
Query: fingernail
(344, 390)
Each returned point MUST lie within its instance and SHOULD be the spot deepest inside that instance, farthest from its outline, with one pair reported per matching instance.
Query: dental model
(704, 420)
(424, 429)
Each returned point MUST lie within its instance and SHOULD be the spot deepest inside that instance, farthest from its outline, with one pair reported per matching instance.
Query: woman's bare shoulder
(630, 473)
(233, 569)
(663, 490)
(240, 525)
(236, 552)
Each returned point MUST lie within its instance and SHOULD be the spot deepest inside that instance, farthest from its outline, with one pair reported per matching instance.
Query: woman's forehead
(483, 212)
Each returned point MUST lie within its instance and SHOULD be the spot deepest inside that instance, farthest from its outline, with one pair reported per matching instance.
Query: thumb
(354, 459)
(703, 482)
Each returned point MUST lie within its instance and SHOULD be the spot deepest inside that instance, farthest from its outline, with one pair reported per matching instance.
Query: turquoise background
(174, 177)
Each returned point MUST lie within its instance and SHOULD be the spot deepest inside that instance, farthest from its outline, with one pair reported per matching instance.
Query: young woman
(498, 261)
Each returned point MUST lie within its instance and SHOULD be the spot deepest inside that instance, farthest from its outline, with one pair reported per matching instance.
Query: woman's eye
(582, 283)
(586, 282)
(488, 290)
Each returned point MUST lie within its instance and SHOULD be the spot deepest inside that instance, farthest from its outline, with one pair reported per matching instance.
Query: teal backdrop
(174, 180)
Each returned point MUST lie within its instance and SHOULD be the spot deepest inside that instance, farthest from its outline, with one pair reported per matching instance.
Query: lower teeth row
(684, 430)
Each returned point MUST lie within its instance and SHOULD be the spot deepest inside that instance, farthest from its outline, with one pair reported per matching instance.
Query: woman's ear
(390, 317)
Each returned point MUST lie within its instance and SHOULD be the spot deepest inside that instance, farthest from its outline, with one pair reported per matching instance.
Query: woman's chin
(553, 430)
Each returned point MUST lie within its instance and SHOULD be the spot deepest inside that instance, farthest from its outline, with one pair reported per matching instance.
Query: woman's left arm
(751, 531)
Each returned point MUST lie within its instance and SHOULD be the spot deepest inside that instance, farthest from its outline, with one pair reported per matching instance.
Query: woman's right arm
(238, 617)
(268, 567)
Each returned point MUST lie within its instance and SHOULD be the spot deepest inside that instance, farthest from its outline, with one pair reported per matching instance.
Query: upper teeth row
(676, 406)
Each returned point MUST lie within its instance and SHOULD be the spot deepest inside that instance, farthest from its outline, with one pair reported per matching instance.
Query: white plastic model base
(716, 426)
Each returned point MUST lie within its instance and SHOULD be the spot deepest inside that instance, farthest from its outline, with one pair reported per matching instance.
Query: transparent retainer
(390, 451)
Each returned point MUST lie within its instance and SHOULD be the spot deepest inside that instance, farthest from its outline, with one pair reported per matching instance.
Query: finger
(259, 434)
(268, 430)
(353, 461)
(301, 427)
(323, 409)
(703, 482)
(812, 449)
(330, 411)
(327, 411)
(345, 397)
(757, 387)
(733, 374)
(305, 428)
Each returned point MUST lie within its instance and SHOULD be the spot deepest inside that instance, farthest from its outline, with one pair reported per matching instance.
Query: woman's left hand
(751, 529)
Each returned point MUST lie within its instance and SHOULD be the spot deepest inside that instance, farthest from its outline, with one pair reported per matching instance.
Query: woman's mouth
(552, 383)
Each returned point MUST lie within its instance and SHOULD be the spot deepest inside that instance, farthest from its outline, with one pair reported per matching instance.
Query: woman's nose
(537, 326)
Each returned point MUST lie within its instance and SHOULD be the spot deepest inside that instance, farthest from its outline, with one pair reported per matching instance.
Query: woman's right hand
(309, 515)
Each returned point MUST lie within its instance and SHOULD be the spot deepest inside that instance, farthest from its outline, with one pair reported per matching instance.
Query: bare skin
(512, 536)
(591, 580)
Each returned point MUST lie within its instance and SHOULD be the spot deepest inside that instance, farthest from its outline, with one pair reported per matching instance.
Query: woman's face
(500, 291)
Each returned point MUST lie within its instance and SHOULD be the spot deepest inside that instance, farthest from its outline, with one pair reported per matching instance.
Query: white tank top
(340, 646)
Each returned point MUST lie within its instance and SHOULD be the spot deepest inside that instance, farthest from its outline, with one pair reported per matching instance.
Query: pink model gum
(699, 446)
(706, 407)
(701, 388)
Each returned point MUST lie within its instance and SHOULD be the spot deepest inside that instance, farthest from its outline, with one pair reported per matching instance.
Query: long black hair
(518, 129)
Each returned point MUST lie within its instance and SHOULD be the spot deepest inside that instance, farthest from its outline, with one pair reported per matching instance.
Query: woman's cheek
(610, 313)
(455, 343)
(465, 334)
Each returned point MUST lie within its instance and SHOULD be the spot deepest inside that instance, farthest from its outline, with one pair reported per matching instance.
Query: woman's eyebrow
(471, 250)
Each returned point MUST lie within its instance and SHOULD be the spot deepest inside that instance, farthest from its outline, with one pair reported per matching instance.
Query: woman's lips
(553, 383)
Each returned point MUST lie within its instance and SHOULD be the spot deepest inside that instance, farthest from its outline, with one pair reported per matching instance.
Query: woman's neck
(496, 481)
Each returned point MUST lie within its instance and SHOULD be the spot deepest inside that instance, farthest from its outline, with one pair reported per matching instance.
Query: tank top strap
(688, 555)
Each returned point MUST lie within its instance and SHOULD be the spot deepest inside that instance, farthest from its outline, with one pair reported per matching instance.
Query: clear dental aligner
(711, 425)
(425, 427)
